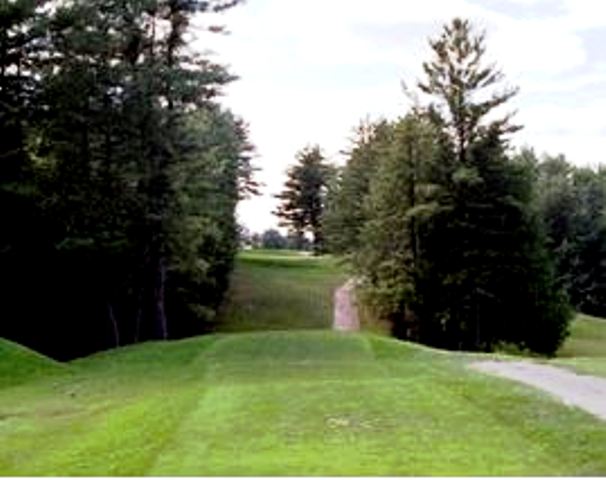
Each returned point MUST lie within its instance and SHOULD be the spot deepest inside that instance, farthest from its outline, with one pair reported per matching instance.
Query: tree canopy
(303, 198)
(447, 241)
(120, 174)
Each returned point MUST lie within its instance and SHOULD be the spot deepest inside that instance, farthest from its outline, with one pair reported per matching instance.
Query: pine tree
(388, 255)
(485, 242)
(344, 215)
(135, 167)
(451, 247)
(571, 203)
(456, 78)
(24, 229)
(303, 198)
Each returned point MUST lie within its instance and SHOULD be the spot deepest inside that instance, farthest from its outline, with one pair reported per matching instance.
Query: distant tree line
(572, 205)
(273, 239)
(119, 173)
(456, 240)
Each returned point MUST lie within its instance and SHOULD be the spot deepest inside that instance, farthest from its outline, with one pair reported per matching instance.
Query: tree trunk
(412, 185)
(138, 315)
(114, 324)
(158, 313)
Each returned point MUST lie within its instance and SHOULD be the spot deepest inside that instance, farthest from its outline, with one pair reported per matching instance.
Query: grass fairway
(299, 402)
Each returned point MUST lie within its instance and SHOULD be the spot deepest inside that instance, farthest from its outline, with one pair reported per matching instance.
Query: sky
(310, 70)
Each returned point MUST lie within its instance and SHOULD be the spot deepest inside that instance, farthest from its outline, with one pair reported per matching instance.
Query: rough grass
(299, 402)
(280, 290)
(585, 349)
(587, 338)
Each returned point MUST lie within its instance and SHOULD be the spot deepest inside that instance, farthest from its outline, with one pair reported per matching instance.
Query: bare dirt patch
(346, 313)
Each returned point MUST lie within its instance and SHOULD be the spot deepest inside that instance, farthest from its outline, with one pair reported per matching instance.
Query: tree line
(120, 172)
(457, 239)
(273, 239)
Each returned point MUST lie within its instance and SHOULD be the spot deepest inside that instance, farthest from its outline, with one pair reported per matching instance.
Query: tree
(571, 203)
(450, 247)
(273, 239)
(387, 258)
(456, 79)
(133, 170)
(588, 290)
(344, 215)
(494, 255)
(18, 34)
(304, 195)
(556, 203)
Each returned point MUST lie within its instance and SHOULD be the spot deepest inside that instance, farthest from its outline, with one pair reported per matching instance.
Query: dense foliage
(441, 225)
(345, 214)
(119, 173)
(572, 204)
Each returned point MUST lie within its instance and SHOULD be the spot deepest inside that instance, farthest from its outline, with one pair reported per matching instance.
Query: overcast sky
(310, 70)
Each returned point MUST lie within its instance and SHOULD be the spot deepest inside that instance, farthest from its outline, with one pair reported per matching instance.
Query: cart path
(345, 317)
(583, 391)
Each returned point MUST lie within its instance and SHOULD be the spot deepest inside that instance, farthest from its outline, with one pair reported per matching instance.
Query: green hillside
(585, 349)
(19, 364)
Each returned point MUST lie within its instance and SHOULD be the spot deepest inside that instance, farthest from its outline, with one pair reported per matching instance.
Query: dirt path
(345, 318)
(582, 391)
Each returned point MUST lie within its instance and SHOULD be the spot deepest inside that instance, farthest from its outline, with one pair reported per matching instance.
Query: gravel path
(582, 391)
(345, 317)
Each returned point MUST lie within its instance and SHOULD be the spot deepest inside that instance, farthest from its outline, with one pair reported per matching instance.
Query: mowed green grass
(298, 402)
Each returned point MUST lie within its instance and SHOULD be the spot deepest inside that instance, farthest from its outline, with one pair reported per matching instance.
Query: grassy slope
(19, 364)
(298, 402)
(585, 350)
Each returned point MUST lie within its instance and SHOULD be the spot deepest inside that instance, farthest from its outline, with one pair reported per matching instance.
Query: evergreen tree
(457, 80)
(588, 288)
(571, 202)
(451, 248)
(556, 203)
(16, 89)
(272, 239)
(304, 195)
(135, 172)
(25, 228)
(388, 253)
(485, 249)
(344, 215)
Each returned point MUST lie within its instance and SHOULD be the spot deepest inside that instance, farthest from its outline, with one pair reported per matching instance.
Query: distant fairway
(281, 290)
(298, 402)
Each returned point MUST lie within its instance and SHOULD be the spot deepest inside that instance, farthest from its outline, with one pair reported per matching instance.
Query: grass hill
(19, 364)
(585, 350)
(303, 401)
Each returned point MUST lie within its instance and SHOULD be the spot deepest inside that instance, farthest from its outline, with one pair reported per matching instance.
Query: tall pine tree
(485, 250)
(135, 169)
(303, 199)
